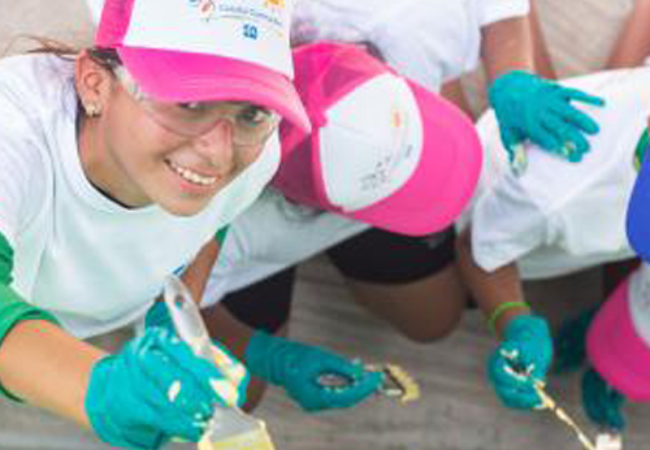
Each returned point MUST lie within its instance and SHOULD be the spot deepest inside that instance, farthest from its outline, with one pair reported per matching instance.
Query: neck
(96, 162)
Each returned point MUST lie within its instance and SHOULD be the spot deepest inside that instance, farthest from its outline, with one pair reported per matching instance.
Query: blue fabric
(530, 107)
(638, 213)
(128, 401)
(523, 357)
(602, 403)
(297, 367)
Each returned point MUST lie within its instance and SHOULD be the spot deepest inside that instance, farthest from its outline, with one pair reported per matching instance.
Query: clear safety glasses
(251, 124)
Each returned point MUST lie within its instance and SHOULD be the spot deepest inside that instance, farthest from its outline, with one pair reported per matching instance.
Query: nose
(216, 146)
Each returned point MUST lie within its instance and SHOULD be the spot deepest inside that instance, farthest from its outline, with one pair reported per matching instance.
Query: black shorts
(374, 256)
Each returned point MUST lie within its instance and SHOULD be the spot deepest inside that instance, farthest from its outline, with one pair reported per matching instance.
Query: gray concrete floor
(458, 410)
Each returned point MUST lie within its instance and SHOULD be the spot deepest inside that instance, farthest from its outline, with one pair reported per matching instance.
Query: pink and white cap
(383, 150)
(618, 341)
(207, 50)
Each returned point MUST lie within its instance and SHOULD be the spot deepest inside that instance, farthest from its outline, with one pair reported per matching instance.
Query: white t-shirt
(428, 41)
(560, 217)
(271, 235)
(91, 262)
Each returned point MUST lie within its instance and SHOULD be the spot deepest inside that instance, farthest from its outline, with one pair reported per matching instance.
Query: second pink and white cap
(383, 150)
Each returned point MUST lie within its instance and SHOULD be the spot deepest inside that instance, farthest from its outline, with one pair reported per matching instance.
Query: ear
(93, 83)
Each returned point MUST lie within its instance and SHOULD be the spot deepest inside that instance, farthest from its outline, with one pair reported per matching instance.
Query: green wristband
(503, 307)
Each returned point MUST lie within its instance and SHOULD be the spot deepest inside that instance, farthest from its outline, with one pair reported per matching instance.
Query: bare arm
(43, 365)
(543, 63)
(633, 44)
(490, 289)
(507, 45)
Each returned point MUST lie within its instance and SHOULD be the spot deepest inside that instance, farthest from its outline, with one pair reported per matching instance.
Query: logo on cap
(274, 4)
(206, 8)
(268, 12)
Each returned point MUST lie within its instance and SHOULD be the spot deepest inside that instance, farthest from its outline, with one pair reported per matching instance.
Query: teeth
(191, 176)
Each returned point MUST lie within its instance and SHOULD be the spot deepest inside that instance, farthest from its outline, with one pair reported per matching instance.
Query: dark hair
(105, 57)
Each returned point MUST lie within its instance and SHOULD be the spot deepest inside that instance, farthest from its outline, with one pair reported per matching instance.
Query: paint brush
(229, 428)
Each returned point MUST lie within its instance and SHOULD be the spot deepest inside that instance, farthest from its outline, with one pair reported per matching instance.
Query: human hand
(522, 358)
(158, 316)
(153, 390)
(602, 403)
(530, 107)
(297, 367)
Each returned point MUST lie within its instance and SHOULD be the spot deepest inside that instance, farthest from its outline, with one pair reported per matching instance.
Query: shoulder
(35, 92)
(34, 82)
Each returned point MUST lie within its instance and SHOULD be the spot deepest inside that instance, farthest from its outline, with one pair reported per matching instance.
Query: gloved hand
(602, 403)
(522, 358)
(570, 349)
(158, 316)
(151, 391)
(530, 107)
(297, 367)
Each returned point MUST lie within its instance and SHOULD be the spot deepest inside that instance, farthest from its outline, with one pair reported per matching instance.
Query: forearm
(507, 45)
(633, 44)
(543, 63)
(198, 273)
(228, 330)
(491, 289)
(43, 365)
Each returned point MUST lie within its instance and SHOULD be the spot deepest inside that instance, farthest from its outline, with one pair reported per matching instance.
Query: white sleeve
(506, 225)
(21, 182)
(95, 7)
(495, 10)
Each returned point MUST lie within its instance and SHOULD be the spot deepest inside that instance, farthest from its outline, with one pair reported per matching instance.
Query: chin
(184, 208)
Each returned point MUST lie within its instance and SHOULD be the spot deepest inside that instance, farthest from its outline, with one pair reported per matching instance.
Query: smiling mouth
(191, 176)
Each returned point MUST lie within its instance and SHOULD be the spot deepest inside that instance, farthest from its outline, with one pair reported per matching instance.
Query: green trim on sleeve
(221, 235)
(13, 310)
(639, 152)
(6, 260)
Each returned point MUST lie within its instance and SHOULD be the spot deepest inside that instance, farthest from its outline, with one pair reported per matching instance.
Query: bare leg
(633, 44)
(424, 310)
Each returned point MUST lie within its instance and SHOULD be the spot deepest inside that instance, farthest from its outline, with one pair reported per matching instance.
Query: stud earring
(92, 110)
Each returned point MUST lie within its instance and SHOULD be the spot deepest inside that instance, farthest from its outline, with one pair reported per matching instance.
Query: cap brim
(616, 350)
(638, 213)
(444, 180)
(184, 77)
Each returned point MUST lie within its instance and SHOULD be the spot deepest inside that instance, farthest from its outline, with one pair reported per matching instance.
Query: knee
(435, 330)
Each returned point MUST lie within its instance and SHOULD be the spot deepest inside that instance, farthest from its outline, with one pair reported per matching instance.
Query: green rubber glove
(602, 403)
(151, 391)
(297, 367)
(570, 348)
(530, 107)
(158, 316)
(522, 358)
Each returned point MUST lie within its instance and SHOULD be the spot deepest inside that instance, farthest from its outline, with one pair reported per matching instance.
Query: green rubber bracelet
(503, 307)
